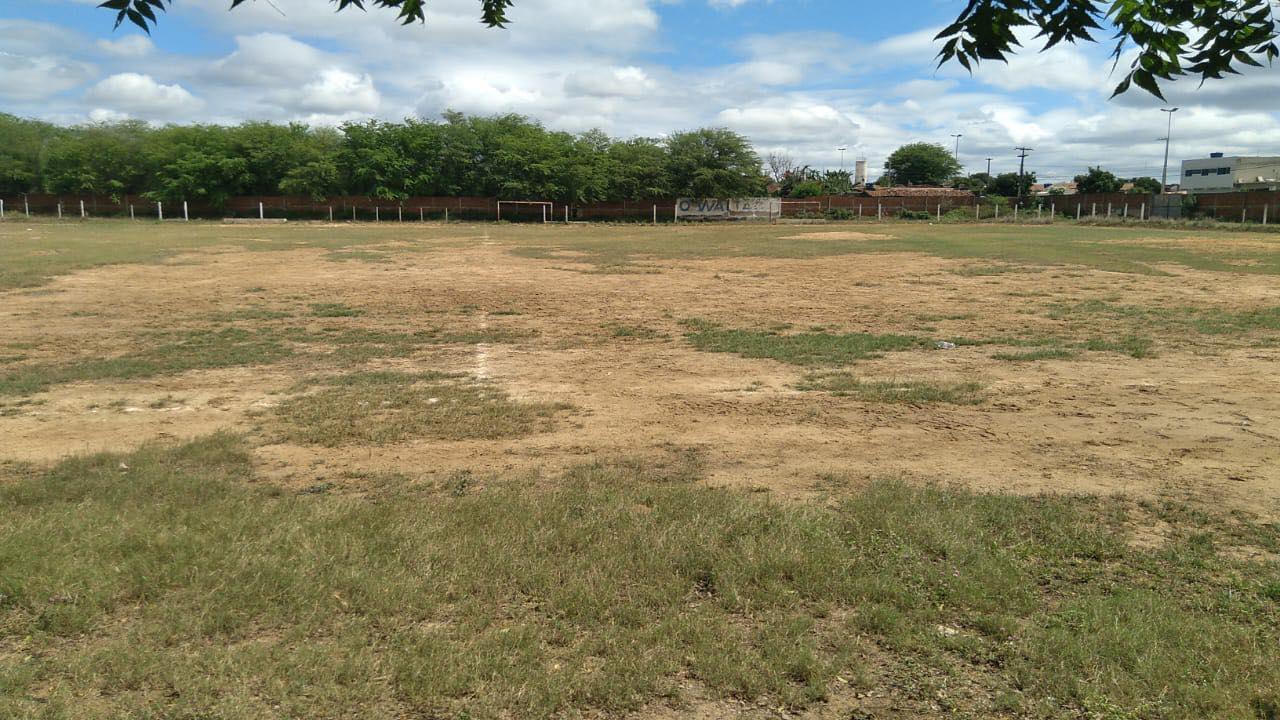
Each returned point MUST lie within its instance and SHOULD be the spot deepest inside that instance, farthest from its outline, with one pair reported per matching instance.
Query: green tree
(1148, 185)
(1098, 180)
(713, 162)
(921, 164)
(101, 159)
(1007, 184)
(637, 170)
(24, 152)
(978, 183)
(197, 162)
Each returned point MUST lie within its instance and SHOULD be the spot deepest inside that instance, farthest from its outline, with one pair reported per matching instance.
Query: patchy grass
(1021, 248)
(811, 348)
(384, 407)
(334, 310)
(1045, 353)
(1203, 320)
(910, 392)
(161, 583)
(248, 314)
(191, 350)
(367, 256)
(1132, 345)
(632, 332)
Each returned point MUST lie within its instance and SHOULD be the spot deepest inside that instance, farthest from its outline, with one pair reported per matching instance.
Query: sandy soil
(1198, 422)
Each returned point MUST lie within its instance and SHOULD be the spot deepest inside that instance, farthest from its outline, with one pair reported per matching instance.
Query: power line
(1022, 167)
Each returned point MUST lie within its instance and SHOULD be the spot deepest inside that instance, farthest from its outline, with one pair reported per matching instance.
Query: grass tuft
(385, 407)
(191, 592)
(812, 348)
(912, 392)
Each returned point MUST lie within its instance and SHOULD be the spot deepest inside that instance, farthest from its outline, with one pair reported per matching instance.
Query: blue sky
(799, 77)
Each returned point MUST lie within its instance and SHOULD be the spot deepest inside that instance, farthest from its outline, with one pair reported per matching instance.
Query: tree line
(505, 156)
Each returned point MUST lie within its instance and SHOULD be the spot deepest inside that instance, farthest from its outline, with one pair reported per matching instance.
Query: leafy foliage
(1009, 184)
(1147, 185)
(142, 13)
(1172, 39)
(507, 156)
(921, 164)
(1098, 180)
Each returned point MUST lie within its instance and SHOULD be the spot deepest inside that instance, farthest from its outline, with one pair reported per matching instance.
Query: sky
(797, 77)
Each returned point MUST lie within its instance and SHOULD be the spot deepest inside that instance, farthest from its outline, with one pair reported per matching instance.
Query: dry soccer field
(846, 471)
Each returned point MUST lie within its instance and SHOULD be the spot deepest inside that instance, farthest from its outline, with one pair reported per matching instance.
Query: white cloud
(629, 81)
(129, 46)
(103, 115)
(142, 95)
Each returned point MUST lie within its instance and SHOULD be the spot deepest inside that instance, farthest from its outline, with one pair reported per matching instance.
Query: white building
(1226, 174)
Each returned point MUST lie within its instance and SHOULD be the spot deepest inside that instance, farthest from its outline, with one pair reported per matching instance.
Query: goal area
(548, 208)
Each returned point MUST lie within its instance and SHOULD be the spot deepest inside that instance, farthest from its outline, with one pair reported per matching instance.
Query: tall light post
(1164, 177)
(842, 148)
(957, 137)
(988, 168)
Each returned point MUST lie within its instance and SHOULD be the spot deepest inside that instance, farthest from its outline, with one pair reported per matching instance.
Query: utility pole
(1164, 176)
(842, 148)
(1022, 168)
(957, 137)
(988, 167)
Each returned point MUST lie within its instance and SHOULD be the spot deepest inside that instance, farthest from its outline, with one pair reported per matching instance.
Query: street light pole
(988, 167)
(957, 137)
(842, 148)
(1164, 177)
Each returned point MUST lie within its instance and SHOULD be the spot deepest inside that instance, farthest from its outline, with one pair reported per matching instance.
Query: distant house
(1219, 173)
(1065, 188)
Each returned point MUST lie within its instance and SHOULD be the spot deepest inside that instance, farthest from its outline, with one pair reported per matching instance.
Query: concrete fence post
(1, 208)
(59, 210)
(160, 210)
(1039, 212)
(26, 206)
(353, 213)
(1015, 213)
(1108, 211)
(1079, 209)
(566, 213)
(1053, 210)
(1244, 214)
(655, 214)
(879, 211)
(400, 213)
(186, 216)
(1093, 212)
(977, 211)
(1142, 214)
(330, 213)
(377, 213)
(446, 215)
(939, 212)
(1265, 208)
(997, 211)
(1126, 211)
(83, 214)
(131, 217)
(422, 215)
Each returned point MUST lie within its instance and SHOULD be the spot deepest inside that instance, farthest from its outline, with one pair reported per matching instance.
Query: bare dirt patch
(1199, 421)
(837, 235)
